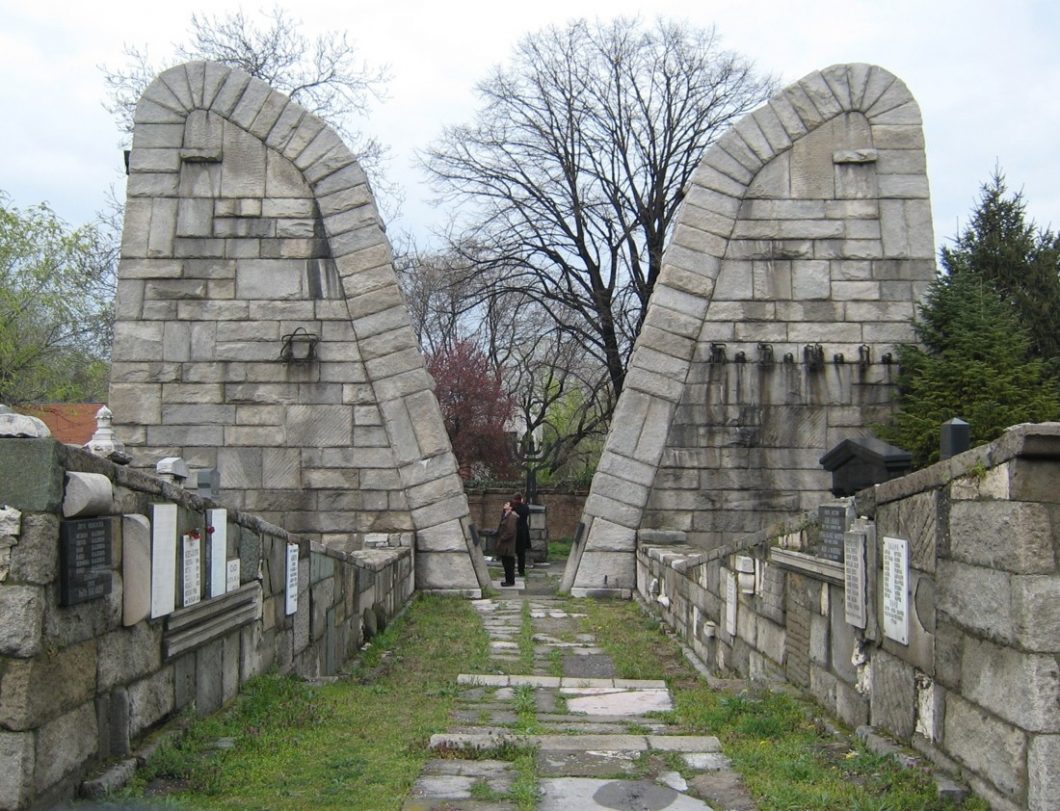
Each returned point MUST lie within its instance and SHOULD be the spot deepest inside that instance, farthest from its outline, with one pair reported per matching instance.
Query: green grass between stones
(356, 744)
(787, 759)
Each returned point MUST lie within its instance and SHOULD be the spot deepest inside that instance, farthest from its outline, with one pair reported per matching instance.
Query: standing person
(506, 543)
(522, 527)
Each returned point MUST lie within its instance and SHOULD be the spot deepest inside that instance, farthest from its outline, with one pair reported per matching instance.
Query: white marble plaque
(896, 589)
(217, 551)
(163, 559)
(192, 558)
(731, 597)
(854, 577)
(232, 575)
(292, 578)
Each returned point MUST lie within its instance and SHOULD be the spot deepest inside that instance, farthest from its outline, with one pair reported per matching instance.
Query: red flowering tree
(475, 407)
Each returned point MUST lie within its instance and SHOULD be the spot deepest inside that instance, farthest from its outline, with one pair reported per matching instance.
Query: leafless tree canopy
(323, 75)
(572, 172)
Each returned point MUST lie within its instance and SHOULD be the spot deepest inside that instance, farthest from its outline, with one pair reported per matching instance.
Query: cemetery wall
(950, 641)
(110, 627)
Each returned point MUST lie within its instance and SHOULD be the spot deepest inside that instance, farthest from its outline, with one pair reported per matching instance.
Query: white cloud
(984, 74)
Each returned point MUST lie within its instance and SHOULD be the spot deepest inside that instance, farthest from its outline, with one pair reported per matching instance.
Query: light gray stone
(1043, 777)
(63, 745)
(985, 745)
(988, 673)
(17, 752)
(86, 495)
(22, 608)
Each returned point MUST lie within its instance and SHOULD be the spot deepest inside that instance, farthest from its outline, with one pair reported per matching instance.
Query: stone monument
(261, 331)
(803, 244)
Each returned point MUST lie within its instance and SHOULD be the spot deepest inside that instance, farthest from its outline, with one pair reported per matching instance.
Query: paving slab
(584, 793)
(587, 764)
(588, 665)
(618, 702)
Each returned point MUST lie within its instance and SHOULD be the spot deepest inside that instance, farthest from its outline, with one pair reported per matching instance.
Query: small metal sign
(85, 560)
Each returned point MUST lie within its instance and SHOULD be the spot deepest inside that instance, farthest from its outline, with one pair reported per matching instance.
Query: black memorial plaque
(833, 519)
(84, 560)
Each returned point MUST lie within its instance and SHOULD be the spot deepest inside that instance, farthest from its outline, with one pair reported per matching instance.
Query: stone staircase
(586, 738)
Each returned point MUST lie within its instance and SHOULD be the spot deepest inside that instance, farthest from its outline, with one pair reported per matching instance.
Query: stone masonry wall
(79, 684)
(802, 246)
(248, 226)
(977, 686)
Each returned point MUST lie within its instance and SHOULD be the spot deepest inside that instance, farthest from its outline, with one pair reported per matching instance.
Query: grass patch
(356, 744)
(787, 759)
(559, 549)
(526, 642)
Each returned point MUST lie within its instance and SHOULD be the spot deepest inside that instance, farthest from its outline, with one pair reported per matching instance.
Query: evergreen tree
(1021, 262)
(976, 363)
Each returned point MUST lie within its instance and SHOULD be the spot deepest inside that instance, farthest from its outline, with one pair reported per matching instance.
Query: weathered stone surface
(33, 691)
(893, 695)
(63, 745)
(22, 608)
(990, 672)
(35, 557)
(1043, 777)
(987, 746)
(18, 754)
(976, 598)
(87, 494)
(39, 485)
(150, 700)
(1012, 536)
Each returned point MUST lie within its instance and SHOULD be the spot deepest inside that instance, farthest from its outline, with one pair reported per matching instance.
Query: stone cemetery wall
(261, 331)
(803, 243)
(125, 599)
(939, 624)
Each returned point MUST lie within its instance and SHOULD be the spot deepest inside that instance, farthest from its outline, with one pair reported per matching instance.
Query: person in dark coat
(522, 527)
(506, 544)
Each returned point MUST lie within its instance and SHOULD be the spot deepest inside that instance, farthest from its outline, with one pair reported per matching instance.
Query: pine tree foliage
(1021, 262)
(976, 363)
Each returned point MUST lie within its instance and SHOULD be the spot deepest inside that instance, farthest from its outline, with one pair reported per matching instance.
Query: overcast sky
(986, 75)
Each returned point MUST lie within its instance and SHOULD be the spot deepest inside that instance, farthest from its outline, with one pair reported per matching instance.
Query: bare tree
(323, 75)
(574, 167)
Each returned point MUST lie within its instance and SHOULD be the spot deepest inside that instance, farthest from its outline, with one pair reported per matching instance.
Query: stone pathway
(594, 742)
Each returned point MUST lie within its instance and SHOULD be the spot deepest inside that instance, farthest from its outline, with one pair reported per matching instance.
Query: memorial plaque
(835, 519)
(731, 597)
(854, 577)
(292, 578)
(896, 589)
(232, 574)
(217, 551)
(163, 559)
(192, 580)
(85, 560)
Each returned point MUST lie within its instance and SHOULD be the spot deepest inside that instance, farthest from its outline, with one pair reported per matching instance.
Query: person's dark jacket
(522, 527)
(506, 533)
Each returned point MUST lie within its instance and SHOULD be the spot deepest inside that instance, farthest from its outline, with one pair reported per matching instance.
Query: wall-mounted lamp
(299, 346)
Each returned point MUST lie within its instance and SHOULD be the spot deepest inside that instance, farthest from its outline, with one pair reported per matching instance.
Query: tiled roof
(70, 423)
